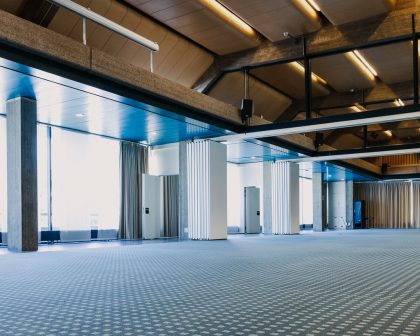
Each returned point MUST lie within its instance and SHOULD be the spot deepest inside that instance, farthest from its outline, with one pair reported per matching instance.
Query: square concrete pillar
(22, 203)
(319, 202)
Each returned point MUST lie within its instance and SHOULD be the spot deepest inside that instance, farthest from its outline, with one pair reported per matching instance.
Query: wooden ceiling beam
(378, 94)
(383, 29)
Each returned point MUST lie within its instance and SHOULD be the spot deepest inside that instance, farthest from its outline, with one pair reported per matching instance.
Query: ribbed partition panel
(285, 197)
(207, 194)
(198, 190)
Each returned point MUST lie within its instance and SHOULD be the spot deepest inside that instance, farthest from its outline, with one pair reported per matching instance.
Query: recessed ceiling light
(357, 108)
(305, 6)
(363, 64)
(399, 102)
(314, 5)
(229, 16)
(314, 76)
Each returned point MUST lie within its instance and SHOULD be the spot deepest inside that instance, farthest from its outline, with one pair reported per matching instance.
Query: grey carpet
(335, 283)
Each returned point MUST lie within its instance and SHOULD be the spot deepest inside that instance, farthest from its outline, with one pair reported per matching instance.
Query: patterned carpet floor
(334, 283)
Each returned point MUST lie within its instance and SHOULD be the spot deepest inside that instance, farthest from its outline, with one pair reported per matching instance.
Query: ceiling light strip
(228, 15)
(321, 127)
(399, 102)
(314, 76)
(314, 5)
(363, 64)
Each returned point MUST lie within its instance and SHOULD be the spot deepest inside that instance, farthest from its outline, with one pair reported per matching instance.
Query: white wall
(218, 191)
(239, 177)
(164, 160)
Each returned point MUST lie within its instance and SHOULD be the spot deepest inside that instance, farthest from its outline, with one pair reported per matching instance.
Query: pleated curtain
(133, 163)
(285, 199)
(170, 205)
(416, 204)
(388, 204)
(198, 192)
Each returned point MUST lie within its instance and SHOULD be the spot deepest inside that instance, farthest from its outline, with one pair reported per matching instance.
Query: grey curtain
(133, 163)
(388, 204)
(170, 205)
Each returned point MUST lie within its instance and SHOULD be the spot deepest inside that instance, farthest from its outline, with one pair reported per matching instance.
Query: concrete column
(183, 191)
(319, 202)
(349, 205)
(340, 205)
(22, 204)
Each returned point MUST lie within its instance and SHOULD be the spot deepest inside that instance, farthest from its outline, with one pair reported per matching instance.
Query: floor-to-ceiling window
(3, 176)
(305, 200)
(85, 181)
(43, 177)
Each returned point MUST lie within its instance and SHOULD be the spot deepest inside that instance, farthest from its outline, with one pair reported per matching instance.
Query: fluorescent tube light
(314, 5)
(399, 102)
(229, 16)
(314, 76)
(363, 64)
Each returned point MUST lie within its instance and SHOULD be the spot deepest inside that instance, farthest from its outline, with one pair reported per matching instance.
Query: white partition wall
(206, 190)
(281, 197)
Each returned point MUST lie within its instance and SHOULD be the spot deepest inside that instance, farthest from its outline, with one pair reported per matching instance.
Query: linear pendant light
(328, 125)
(111, 25)
(333, 157)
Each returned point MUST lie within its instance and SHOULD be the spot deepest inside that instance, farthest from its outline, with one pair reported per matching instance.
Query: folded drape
(133, 163)
(388, 204)
(170, 205)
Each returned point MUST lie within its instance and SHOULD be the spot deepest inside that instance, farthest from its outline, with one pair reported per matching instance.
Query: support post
(151, 62)
(415, 61)
(84, 31)
(22, 203)
(319, 202)
(308, 82)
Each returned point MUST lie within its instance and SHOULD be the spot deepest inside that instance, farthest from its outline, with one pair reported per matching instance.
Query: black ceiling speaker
(247, 109)
(319, 140)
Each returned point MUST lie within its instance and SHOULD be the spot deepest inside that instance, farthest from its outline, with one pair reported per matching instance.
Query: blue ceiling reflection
(256, 151)
(332, 172)
(65, 103)
(253, 151)
(76, 106)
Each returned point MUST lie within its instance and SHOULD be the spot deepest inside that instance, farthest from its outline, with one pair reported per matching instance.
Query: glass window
(305, 200)
(85, 181)
(43, 177)
(3, 176)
